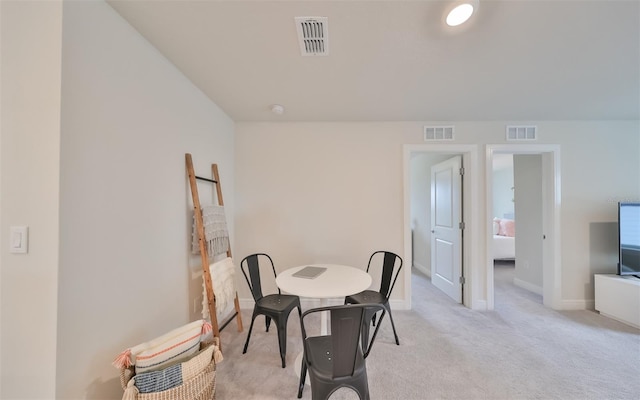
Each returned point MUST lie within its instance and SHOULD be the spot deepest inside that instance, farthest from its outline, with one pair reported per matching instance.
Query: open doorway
(517, 225)
(536, 213)
(478, 271)
(418, 230)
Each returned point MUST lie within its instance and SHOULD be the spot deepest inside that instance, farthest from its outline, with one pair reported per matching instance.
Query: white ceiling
(524, 60)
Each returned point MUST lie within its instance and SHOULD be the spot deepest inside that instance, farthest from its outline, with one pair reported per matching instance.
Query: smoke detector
(277, 109)
(313, 35)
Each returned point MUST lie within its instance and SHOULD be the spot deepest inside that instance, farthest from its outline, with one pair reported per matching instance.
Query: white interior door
(446, 229)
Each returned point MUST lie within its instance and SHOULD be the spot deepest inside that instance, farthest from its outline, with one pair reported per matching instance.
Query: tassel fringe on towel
(123, 360)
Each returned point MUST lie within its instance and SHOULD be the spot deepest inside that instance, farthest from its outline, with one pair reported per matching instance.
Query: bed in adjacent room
(504, 241)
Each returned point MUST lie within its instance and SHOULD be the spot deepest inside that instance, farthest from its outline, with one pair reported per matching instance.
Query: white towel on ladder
(216, 234)
(224, 288)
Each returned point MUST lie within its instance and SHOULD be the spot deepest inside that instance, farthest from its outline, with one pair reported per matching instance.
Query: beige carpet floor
(521, 350)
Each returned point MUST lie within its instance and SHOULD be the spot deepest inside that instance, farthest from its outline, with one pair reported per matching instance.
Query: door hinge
(462, 280)
(461, 225)
(461, 170)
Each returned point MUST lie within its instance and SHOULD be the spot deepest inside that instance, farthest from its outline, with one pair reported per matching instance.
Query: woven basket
(201, 387)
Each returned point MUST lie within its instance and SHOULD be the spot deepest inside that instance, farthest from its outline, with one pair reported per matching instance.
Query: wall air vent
(438, 133)
(313, 35)
(522, 132)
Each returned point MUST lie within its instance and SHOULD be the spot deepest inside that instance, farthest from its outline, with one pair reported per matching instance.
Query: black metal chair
(337, 360)
(391, 264)
(276, 306)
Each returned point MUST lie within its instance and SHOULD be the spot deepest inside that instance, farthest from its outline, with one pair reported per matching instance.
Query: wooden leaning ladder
(197, 209)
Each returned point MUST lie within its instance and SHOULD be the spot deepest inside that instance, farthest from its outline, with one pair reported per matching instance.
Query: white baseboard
(565, 304)
(479, 305)
(423, 269)
(527, 286)
(248, 304)
(399, 304)
(578, 304)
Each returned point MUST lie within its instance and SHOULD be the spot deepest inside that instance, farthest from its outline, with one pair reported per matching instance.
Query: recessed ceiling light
(461, 13)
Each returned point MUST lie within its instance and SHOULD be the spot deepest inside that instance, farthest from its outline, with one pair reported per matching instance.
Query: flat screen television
(629, 239)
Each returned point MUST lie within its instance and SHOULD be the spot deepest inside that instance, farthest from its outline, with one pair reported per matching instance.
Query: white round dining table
(336, 281)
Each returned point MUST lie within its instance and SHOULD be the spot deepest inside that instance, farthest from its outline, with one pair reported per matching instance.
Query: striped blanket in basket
(171, 348)
(193, 379)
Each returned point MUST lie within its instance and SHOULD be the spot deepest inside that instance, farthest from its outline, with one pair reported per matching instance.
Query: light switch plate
(19, 239)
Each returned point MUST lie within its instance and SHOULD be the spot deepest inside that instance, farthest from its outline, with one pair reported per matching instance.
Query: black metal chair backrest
(345, 335)
(250, 266)
(346, 323)
(389, 270)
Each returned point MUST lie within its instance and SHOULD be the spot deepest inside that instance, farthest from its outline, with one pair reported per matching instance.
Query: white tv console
(618, 297)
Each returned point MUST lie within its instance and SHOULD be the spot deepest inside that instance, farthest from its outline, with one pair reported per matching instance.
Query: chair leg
(267, 322)
(363, 389)
(300, 318)
(392, 324)
(303, 376)
(246, 344)
(282, 339)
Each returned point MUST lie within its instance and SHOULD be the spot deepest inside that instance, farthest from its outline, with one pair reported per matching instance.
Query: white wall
(330, 192)
(503, 192)
(421, 207)
(314, 193)
(31, 43)
(128, 118)
(527, 171)
(420, 212)
(107, 151)
(600, 166)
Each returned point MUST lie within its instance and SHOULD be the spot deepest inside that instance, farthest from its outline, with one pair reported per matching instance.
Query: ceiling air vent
(522, 132)
(313, 35)
(438, 133)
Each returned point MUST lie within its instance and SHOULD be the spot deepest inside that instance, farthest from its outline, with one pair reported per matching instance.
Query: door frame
(552, 199)
(472, 269)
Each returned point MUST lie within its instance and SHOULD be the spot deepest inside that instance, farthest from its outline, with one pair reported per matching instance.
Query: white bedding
(504, 247)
